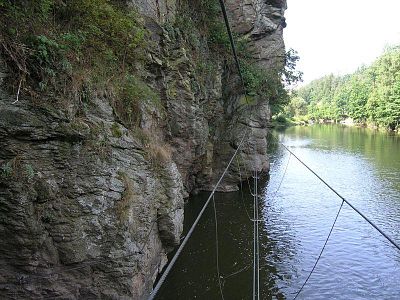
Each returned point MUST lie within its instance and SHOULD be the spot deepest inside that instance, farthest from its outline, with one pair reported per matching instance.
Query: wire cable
(241, 189)
(217, 248)
(231, 40)
(254, 240)
(283, 176)
(247, 177)
(320, 253)
(190, 232)
(257, 241)
(341, 197)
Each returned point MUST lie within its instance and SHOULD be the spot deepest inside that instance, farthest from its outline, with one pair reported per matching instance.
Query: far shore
(279, 123)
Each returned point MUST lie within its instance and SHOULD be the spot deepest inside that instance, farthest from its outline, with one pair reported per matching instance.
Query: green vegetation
(371, 95)
(270, 84)
(201, 26)
(6, 170)
(83, 45)
(280, 120)
(73, 50)
(116, 131)
(133, 94)
(203, 18)
(16, 169)
(202, 23)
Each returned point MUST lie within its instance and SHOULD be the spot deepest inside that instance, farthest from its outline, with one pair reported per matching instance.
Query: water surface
(363, 165)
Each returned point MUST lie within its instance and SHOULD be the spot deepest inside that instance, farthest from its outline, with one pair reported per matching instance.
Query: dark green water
(363, 165)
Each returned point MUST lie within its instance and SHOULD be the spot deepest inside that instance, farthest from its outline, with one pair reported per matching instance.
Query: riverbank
(284, 122)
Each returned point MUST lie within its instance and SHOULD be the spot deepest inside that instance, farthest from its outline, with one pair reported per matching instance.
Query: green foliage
(296, 107)
(291, 75)
(29, 171)
(116, 130)
(369, 95)
(204, 16)
(109, 30)
(49, 42)
(134, 95)
(263, 84)
(6, 170)
(281, 119)
(17, 170)
(271, 84)
(46, 59)
(210, 15)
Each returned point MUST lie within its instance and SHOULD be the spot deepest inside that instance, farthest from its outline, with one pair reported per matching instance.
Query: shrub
(134, 96)
(45, 40)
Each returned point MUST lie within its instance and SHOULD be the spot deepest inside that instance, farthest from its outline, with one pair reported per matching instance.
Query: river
(358, 263)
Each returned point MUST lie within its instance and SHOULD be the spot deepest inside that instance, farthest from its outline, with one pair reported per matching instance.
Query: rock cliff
(89, 206)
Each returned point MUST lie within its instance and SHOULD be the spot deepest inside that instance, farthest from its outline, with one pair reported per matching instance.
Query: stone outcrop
(86, 211)
(263, 22)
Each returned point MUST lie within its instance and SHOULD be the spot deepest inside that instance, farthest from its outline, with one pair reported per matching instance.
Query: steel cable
(190, 232)
(217, 248)
(320, 253)
(341, 197)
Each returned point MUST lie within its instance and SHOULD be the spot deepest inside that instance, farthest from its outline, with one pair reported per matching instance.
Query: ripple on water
(357, 262)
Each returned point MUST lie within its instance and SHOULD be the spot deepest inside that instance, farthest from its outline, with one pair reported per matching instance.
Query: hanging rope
(232, 42)
(217, 248)
(256, 246)
(190, 232)
(283, 176)
(241, 190)
(257, 236)
(256, 271)
(320, 254)
(341, 197)
(254, 240)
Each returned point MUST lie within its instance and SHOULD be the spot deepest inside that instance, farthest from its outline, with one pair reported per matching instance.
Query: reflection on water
(364, 166)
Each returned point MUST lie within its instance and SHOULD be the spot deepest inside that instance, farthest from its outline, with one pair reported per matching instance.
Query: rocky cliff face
(86, 211)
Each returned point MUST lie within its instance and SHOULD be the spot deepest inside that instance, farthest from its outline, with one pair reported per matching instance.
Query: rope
(291, 153)
(257, 241)
(190, 232)
(231, 40)
(237, 272)
(247, 178)
(283, 176)
(216, 248)
(241, 190)
(256, 246)
(256, 273)
(254, 240)
(320, 254)
(341, 197)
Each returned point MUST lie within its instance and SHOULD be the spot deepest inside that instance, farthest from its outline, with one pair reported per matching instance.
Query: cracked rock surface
(84, 212)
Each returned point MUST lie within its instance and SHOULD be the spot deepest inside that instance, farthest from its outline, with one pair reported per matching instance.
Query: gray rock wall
(84, 214)
(85, 211)
(263, 22)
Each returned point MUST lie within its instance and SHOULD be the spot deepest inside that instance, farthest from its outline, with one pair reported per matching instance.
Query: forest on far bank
(370, 95)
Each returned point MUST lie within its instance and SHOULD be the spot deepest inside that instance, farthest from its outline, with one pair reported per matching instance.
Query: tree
(371, 94)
